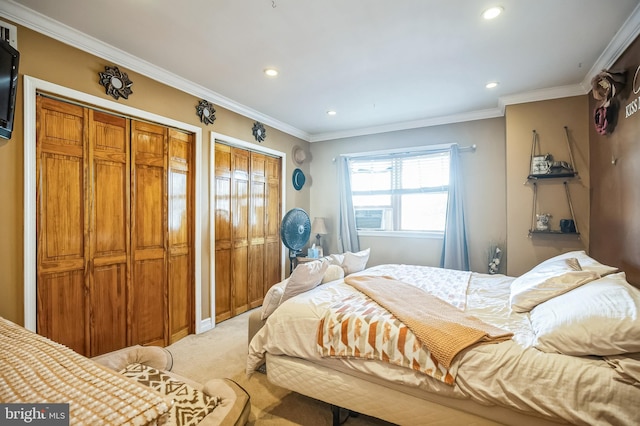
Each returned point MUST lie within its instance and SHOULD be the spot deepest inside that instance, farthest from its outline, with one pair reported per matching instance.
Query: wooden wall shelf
(552, 232)
(565, 174)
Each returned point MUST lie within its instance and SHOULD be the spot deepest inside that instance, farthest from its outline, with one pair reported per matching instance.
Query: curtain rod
(432, 148)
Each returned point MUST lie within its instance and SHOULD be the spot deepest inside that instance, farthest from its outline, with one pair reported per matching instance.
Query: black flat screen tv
(9, 60)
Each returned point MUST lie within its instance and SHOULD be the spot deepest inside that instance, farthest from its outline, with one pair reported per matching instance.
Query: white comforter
(513, 374)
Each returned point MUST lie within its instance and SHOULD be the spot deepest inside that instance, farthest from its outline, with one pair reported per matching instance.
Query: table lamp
(319, 228)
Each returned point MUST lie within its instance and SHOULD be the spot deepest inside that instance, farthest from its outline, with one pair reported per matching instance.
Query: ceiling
(381, 65)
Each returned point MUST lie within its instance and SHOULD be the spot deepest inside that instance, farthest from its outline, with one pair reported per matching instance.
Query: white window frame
(428, 149)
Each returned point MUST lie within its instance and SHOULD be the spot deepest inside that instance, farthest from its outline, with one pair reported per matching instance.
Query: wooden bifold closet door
(247, 228)
(114, 230)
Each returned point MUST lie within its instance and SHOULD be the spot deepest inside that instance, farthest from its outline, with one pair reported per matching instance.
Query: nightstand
(301, 259)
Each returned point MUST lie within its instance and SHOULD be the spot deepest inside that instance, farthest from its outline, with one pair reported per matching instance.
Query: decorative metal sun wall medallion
(115, 82)
(259, 132)
(206, 112)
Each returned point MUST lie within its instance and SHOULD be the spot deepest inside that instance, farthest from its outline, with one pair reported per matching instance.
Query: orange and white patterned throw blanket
(378, 323)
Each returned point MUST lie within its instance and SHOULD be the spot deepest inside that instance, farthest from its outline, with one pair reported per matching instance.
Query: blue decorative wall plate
(298, 179)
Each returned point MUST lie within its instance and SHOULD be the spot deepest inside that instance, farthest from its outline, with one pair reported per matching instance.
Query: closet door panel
(180, 236)
(247, 228)
(149, 211)
(223, 231)
(61, 224)
(61, 207)
(115, 229)
(60, 127)
(256, 275)
(240, 267)
(61, 185)
(109, 231)
(108, 308)
(149, 301)
(240, 213)
(224, 295)
(61, 309)
(148, 305)
(257, 218)
(179, 295)
(110, 208)
(150, 146)
(272, 272)
(179, 229)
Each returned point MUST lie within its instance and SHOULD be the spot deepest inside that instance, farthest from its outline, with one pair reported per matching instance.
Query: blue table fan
(295, 231)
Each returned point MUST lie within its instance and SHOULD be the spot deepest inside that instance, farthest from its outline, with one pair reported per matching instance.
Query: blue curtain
(455, 253)
(347, 233)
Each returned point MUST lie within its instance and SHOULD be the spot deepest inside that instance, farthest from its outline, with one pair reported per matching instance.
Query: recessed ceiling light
(331, 112)
(492, 12)
(271, 72)
(491, 85)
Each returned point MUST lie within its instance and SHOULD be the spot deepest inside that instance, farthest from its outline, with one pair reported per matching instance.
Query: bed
(571, 355)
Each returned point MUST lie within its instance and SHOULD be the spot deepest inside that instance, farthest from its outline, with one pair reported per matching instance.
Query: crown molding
(541, 95)
(616, 47)
(406, 125)
(65, 34)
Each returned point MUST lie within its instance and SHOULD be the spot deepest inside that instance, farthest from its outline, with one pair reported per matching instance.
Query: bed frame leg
(336, 415)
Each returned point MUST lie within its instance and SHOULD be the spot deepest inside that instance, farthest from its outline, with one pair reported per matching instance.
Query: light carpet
(222, 353)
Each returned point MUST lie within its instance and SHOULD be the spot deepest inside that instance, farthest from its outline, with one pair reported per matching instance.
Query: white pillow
(335, 259)
(547, 280)
(355, 262)
(334, 272)
(587, 263)
(305, 277)
(599, 318)
(273, 298)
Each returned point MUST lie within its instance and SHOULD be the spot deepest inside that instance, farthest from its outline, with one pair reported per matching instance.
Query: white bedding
(513, 374)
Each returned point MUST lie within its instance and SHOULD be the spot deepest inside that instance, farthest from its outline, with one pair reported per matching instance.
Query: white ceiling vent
(9, 33)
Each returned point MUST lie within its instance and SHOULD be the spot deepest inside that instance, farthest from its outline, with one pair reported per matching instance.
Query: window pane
(372, 200)
(370, 175)
(401, 191)
(425, 171)
(423, 212)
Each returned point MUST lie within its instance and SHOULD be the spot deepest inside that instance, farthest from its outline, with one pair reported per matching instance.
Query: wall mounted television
(9, 60)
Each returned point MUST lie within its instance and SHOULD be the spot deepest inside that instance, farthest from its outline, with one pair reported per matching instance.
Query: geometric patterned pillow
(190, 405)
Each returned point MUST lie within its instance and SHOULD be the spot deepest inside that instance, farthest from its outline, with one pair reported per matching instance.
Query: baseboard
(206, 325)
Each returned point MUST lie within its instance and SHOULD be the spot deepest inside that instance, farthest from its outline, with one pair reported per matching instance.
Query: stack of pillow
(578, 306)
(309, 275)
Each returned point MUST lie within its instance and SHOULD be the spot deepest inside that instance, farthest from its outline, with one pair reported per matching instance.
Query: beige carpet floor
(222, 352)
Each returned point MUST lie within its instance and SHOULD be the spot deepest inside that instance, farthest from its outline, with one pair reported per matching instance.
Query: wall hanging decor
(605, 118)
(206, 112)
(605, 87)
(298, 179)
(115, 82)
(298, 155)
(607, 84)
(259, 132)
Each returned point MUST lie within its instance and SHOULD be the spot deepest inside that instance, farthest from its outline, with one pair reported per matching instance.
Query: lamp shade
(318, 227)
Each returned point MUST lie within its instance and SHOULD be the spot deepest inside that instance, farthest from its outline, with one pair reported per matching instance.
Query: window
(401, 192)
